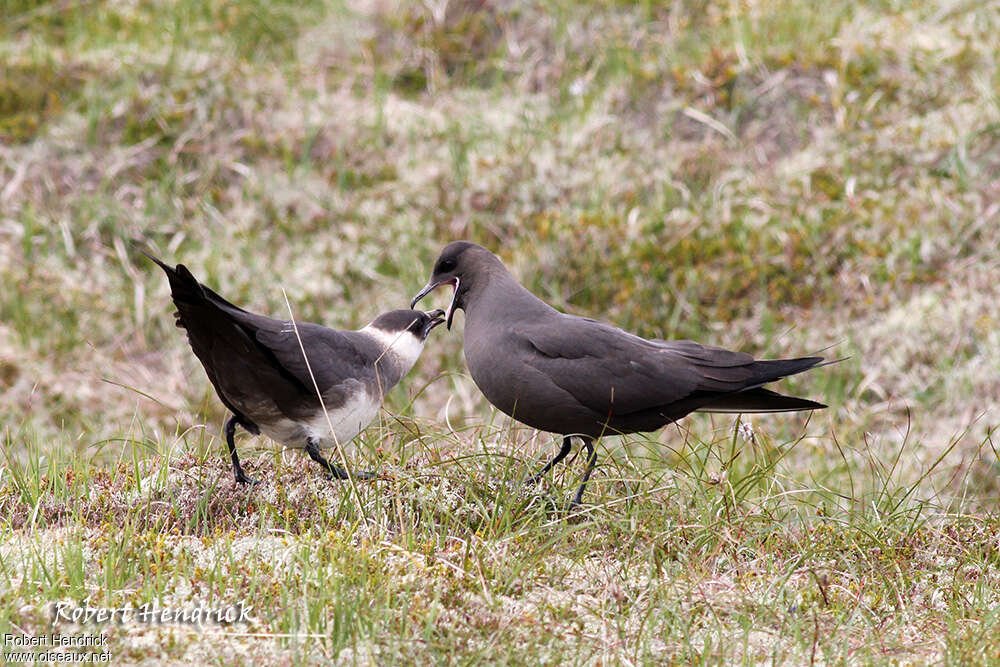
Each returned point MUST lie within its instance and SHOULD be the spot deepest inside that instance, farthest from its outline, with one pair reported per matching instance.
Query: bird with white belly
(303, 385)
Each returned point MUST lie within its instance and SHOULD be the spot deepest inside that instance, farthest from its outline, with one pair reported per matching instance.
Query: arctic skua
(575, 376)
(312, 401)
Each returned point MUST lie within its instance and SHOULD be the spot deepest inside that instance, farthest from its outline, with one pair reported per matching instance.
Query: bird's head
(463, 265)
(415, 324)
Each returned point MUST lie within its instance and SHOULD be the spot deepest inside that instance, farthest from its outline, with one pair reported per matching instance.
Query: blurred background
(766, 176)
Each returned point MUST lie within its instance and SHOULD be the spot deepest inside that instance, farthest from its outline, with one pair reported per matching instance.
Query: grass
(754, 175)
(725, 554)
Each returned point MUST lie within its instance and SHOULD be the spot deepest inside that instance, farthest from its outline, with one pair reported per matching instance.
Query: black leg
(566, 447)
(588, 444)
(241, 477)
(335, 473)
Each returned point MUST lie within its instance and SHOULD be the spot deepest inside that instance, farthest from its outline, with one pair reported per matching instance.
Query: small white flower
(746, 431)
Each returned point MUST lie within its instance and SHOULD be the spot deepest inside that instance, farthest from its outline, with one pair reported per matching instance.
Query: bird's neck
(400, 351)
(498, 294)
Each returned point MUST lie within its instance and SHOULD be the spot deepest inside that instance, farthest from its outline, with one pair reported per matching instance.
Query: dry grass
(450, 553)
(755, 175)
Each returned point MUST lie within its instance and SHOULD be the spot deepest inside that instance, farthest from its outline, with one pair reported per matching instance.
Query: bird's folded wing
(333, 357)
(610, 370)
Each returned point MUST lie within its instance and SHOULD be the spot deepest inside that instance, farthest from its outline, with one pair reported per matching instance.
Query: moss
(869, 71)
(253, 29)
(410, 81)
(974, 161)
(726, 271)
(261, 28)
(32, 93)
(347, 178)
(465, 45)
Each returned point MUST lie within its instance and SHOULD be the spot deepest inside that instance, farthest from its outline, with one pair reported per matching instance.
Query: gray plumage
(259, 372)
(577, 376)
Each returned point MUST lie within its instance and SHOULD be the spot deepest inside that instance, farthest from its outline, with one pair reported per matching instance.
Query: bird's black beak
(437, 317)
(430, 287)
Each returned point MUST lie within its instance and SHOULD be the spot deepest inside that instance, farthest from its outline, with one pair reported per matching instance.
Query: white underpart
(357, 413)
(348, 420)
(403, 344)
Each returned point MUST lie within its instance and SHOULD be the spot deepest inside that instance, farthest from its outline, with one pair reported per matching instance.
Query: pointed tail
(759, 400)
(184, 287)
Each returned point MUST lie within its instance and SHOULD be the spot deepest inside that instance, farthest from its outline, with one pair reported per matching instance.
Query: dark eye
(447, 264)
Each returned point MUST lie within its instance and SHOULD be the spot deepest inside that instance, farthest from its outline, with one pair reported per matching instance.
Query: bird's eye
(447, 264)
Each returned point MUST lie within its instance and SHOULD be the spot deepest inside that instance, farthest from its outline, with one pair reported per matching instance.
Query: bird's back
(567, 374)
(257, 367)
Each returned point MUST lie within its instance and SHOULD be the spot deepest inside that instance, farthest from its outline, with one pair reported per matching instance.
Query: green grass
(764, 176)
(721, 550)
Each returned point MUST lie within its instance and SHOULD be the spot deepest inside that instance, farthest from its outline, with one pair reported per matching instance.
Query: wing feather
(611, 371)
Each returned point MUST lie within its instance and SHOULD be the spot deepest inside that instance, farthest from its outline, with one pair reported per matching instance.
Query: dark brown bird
(258, 369)
(576, 376)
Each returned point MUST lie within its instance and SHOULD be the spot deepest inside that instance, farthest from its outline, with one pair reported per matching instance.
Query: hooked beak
(437, 317)
(450, 313)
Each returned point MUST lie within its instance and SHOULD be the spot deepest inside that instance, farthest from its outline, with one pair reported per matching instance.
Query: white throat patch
(406, 346)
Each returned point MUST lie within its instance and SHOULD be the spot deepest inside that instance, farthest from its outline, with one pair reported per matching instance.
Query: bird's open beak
(437, 317)
(450, 313)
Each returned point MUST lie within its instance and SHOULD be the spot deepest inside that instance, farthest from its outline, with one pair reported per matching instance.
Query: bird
(577, 376)
(262, 374)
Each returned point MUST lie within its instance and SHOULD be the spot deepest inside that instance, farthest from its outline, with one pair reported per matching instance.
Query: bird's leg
(566, 447)
(588, 444)
(312, 448)
(241, 477)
